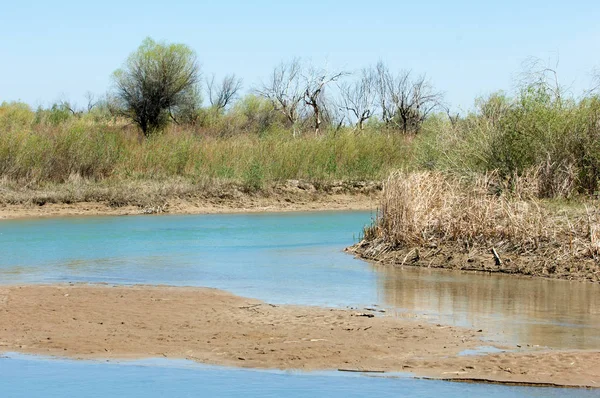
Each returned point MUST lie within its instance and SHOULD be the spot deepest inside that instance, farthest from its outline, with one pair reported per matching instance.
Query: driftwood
(496, 257)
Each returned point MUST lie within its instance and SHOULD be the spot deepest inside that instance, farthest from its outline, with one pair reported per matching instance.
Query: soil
(215, 327)
(479, 260)
(200, 205)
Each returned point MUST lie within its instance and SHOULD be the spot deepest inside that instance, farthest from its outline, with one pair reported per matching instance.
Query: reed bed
(482, 222)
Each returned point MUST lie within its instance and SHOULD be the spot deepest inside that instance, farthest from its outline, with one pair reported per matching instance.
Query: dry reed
(428, 214)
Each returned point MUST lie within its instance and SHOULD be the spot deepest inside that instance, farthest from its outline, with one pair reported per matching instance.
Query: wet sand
(215, 327)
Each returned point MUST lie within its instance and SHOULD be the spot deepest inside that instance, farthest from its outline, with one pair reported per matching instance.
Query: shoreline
(451, 258)
(272, 203)
(215, 327)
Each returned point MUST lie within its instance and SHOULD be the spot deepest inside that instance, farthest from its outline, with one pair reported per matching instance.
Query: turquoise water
(281, 258)
(294, 258)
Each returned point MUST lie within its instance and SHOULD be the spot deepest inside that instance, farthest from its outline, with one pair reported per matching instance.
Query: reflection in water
(552, 313)
(293, 258)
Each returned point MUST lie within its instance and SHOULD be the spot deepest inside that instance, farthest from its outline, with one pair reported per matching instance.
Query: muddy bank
(215, 327)
(455, 257)
(177, 199)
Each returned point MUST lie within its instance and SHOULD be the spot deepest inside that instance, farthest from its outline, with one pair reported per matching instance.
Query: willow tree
(156, 83)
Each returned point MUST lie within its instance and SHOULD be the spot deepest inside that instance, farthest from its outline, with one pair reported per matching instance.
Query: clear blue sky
(62, 49)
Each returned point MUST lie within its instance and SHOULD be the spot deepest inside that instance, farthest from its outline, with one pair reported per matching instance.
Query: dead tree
(221, 95)
(91, 101)
(595, 82)
(405, 101)
(284, 91)
(316, 80)
(453, 117)
(382, 79)
(359, 97)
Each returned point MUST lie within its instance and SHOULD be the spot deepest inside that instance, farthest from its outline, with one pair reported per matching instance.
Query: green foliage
(158, 82)
(539, 129)
(81, 147)
(57, 114)
(75, 150)
(15, 116)
(253, 177)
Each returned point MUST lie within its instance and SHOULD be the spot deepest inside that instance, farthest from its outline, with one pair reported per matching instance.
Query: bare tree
(284, 90)
(537, 73)
(358, 98)
(91, 101)
(224, 93)
(316, 80)
(405, 101)
(453, 117)
(382, 79)
(595, 81)
(66, 105)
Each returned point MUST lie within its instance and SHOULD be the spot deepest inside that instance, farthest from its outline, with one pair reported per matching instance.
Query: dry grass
(459, 221)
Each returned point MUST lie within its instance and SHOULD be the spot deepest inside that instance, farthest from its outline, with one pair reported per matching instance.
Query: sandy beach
(215, 327)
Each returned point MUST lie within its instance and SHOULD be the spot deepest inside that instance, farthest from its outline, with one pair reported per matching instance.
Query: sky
(60, 50)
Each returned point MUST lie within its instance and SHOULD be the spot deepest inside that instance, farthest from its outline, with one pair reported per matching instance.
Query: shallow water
(281, 258)
(294, 258)
(22, 376)
(518, 310)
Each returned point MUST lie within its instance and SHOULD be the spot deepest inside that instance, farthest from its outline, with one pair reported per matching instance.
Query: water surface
(294, 258)
(22, 376)
(282, 258)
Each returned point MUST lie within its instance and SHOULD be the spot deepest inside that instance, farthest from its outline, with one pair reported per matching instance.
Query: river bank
(182, 197)
(438, 220)
(454, 257)
(215, 327)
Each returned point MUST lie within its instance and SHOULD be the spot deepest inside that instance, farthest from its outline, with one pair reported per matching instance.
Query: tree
(156, 82)
(284, 90)
(223, 94)
(92, 101)
(595, 81)
(405, 101)
(358, 98)
(316, 80)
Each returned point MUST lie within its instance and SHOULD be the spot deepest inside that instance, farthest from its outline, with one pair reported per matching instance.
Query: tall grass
(538, 129)
(35, 153)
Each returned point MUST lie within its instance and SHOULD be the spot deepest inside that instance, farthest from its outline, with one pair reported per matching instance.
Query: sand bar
(215, 327)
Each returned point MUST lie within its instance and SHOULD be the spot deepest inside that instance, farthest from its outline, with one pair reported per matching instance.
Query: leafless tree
(284, 90)
(405, 101)
(453, 117)
(221, 95)
(382, 79)
(538, 73)
(358, 98)
(66, 105)
(316, 80)
(595, 81)
(91, 101)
